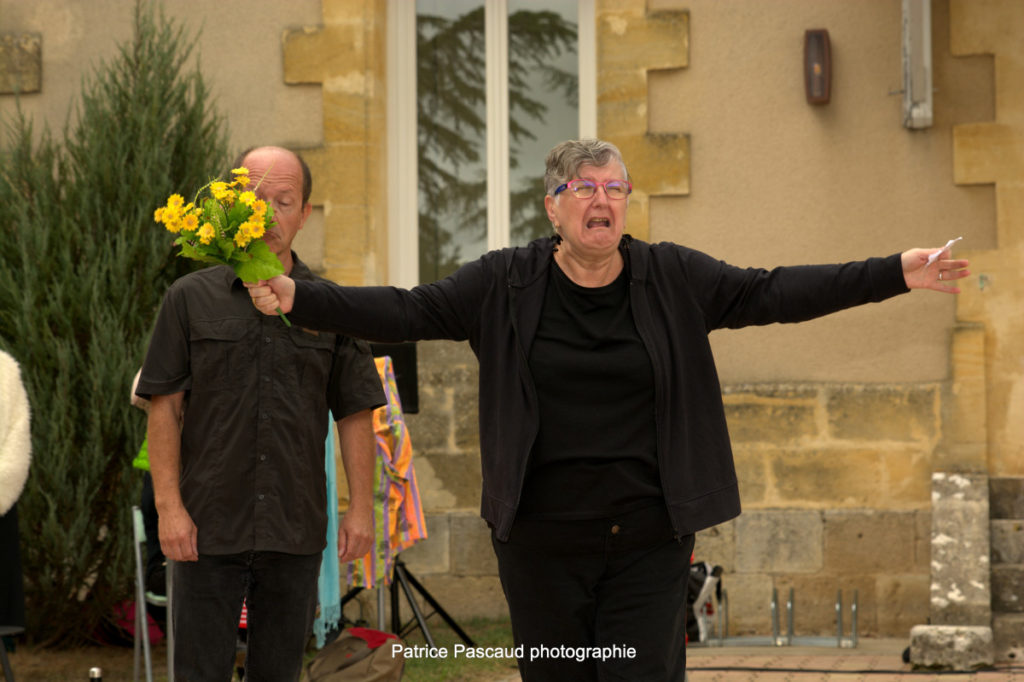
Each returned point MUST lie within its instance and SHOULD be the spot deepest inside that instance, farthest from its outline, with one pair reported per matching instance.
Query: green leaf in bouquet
(238, 213)
(189, 250)
(227, 248)
(214, 212)
(257, 263)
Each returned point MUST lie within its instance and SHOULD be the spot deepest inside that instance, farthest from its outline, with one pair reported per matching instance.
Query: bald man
(239, 476)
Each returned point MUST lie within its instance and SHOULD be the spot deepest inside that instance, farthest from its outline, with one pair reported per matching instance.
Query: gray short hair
(565, 159)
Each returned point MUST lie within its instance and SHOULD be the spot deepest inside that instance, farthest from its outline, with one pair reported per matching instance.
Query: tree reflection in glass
(452, 133)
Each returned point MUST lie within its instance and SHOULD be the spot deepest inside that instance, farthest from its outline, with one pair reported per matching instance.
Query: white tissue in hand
(935, 256)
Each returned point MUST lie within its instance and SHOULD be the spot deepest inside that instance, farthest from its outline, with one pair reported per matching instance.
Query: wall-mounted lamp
(817, 66)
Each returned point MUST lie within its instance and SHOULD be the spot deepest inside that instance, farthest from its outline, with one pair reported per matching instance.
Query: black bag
(357, 654)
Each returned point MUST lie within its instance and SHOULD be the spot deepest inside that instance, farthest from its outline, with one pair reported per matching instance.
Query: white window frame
(403, 180)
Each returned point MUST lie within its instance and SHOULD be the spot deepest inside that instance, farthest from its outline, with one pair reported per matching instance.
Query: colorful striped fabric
(397, 511)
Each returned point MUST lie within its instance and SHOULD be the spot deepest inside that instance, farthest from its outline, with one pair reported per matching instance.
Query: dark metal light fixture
(817, 66)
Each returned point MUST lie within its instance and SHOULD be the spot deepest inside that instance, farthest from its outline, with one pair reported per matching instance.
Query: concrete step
(1006, 497)
(1007, 540)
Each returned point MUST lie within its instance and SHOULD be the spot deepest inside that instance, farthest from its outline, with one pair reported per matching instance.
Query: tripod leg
(402, 576)
(433, 602)
(396, 620)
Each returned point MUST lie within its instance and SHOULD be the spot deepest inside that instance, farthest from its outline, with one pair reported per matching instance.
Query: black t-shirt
(596, 452)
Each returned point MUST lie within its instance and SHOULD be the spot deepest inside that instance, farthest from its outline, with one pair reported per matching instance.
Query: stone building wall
(838, 424)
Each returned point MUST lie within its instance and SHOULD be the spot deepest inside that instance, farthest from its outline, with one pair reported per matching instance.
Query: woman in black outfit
(602, 432)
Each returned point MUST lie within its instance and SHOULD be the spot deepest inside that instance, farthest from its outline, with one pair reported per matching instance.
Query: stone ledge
(951, 647)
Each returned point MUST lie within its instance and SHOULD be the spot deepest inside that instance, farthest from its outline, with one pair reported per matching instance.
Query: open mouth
(599, 222)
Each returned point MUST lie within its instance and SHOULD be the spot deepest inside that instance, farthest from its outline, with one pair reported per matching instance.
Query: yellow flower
(241, 170)
(173, 225)
(241, 239)
(251, 229)
(259, 208)
(190, 222)
(219, 190)
(158, 215)
(206, 233)
(247, 198)
(175, 201)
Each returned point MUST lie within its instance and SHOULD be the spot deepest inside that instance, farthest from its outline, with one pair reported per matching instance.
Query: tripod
(401, 577)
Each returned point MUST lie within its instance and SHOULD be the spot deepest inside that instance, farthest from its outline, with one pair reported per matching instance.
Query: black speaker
(403, 361)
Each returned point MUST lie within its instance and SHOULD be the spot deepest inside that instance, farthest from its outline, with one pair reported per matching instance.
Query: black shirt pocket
(222, 353)
(313, 357)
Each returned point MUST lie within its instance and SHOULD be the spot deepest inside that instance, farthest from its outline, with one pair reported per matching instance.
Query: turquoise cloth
(329, 586)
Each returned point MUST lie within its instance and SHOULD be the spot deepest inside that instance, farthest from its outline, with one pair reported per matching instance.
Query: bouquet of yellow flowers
(224, 226)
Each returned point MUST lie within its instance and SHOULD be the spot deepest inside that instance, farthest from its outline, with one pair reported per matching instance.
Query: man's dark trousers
(280, 591)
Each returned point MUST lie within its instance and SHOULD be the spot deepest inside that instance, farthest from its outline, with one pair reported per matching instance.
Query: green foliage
(83, 267)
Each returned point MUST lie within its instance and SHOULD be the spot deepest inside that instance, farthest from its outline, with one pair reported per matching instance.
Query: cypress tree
(83, 267)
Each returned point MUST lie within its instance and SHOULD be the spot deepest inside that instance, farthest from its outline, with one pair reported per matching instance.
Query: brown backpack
(357, 654)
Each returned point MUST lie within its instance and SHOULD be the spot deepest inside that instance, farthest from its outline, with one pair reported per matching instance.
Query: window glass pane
(543, 103)
(451, 134)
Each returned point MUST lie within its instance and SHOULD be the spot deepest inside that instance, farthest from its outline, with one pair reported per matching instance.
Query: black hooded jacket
(678, 295)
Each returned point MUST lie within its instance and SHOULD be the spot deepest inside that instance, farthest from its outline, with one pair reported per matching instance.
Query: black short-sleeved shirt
(257, 394)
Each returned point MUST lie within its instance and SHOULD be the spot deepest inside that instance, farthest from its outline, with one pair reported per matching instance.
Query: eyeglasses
(584, 189)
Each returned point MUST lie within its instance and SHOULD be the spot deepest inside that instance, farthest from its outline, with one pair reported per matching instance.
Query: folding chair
(143, 597)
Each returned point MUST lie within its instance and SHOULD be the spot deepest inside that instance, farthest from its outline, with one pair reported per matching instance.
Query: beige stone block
(21, 63)
(897, 413)
(659, 163)
(751, 472)
(638, 216)
(312, 55)
(340, 176)
(345, 115)
(749, 596)
(833, 477)
(460, 476)
(437, 499)
(968, 419)
(464, 597)
(907, 476)
(717, 546)
(779, 542)
(655, 40)
(987, 152)
(756, 420)
(471, 551)
(923, 541)
(432, 555)
(814, 603)
(868, 541)
(902, 603)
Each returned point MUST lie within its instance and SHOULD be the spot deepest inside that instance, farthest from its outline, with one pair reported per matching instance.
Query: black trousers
(598, 599)
(281, 594)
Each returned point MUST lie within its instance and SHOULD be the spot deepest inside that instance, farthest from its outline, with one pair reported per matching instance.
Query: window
(479, 90)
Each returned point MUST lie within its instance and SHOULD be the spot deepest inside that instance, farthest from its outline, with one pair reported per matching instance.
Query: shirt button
(264, 415)
(260, 496)
(266, 380)
(615, 529)
(263, 458)
(266, 339)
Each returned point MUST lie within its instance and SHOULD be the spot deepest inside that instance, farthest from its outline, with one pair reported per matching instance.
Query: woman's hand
(937, 276)
(273, 295)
